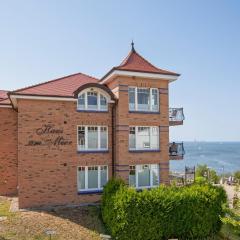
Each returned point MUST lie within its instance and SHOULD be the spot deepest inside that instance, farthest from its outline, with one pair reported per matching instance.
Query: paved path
(230, 190)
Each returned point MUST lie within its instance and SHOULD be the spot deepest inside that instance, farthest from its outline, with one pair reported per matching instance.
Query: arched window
(93, 100)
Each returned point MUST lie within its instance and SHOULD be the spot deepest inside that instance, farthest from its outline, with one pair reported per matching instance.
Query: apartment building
(61, 140)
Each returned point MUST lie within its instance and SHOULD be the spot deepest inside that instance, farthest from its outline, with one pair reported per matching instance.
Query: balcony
(176, 116)
(176, 151)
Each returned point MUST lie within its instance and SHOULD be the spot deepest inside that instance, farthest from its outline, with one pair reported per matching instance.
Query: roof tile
(135, 62)
(62, 87)
(3, 94)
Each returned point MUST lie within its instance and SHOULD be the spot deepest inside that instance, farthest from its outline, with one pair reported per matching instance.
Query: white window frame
(138, 167)
(136, 100)
(99, 93)
(86, 178)
(136, 139)
(86, 149)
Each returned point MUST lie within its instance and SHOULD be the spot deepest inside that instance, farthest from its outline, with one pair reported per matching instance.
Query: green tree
(206, 172)
(237, 175)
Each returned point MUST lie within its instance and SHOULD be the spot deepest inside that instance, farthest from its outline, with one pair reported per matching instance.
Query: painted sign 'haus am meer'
(62, 140)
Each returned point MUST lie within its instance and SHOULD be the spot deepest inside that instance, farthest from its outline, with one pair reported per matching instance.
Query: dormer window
(92, 100)
(143, 99)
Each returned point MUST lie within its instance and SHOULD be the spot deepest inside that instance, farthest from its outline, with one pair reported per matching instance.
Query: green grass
(4, 209)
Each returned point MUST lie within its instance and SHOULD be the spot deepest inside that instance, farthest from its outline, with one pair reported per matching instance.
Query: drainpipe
(113, 137)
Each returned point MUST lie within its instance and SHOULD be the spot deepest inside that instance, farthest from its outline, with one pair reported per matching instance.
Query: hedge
(190, 212)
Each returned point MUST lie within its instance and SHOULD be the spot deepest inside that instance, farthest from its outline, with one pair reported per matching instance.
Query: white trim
(15, 97)
(5, 106)
(150, 136)
(136, 104)
(151, 168)
(99, 93)
(86, 138)
(166, 77)
(86, 178)
(44, 98)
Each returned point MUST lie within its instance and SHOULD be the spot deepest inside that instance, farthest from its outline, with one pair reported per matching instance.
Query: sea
(224, 157)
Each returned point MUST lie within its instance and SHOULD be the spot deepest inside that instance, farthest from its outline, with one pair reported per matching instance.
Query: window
(132, 176)
(92, 138)
(143, 138)
(144, 176)
(143, 99)
(92, 100)
(92, 178)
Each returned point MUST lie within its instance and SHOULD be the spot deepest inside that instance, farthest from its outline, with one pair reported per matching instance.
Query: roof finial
(133, 49)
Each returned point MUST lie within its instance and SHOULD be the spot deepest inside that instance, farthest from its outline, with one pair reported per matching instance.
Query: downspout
(113, 138)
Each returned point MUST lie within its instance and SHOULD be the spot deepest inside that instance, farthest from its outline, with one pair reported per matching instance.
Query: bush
(209, 174)
(191, 212)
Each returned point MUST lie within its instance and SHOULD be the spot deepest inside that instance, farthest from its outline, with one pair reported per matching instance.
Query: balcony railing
(176, 151)
(176, 116)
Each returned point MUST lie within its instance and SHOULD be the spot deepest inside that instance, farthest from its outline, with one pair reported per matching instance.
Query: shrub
(191, 212)
(209, 174)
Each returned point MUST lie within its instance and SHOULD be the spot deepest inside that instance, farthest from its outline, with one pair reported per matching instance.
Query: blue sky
(42, 40)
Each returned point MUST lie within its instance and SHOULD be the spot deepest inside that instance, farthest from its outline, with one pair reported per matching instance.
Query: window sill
(143, 150)
(92, 151)
(90, 192)
(144, 112)
(93, 111)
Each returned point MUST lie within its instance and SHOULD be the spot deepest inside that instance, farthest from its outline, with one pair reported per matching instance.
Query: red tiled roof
(135, 62)
(61, 87)
(3, 94)
(5, 101)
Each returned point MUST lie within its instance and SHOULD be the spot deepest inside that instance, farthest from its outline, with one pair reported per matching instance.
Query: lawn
(69, 223)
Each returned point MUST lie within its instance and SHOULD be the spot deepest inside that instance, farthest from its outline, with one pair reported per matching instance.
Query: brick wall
(124, 158)
(48, 174)
(8, 151)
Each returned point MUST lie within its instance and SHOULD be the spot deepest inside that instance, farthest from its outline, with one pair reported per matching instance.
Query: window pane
(155, 138)
(103, 176)
(103, 102)
(155, 100)
(92, 138)
(131, 95)
(143, 137)
(155, 174)
(143, 96)
(144, 176)
(132, 176)
(92, 100)
(81, 101)
(132, 138)
(93, 177)
(103, 135)
(81, 137)
(81, 177)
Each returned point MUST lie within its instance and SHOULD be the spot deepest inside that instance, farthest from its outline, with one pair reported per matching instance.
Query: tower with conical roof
(143, 117)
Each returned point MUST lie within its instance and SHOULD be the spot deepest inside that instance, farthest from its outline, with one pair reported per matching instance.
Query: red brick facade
(38, 138)
(8, 151)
